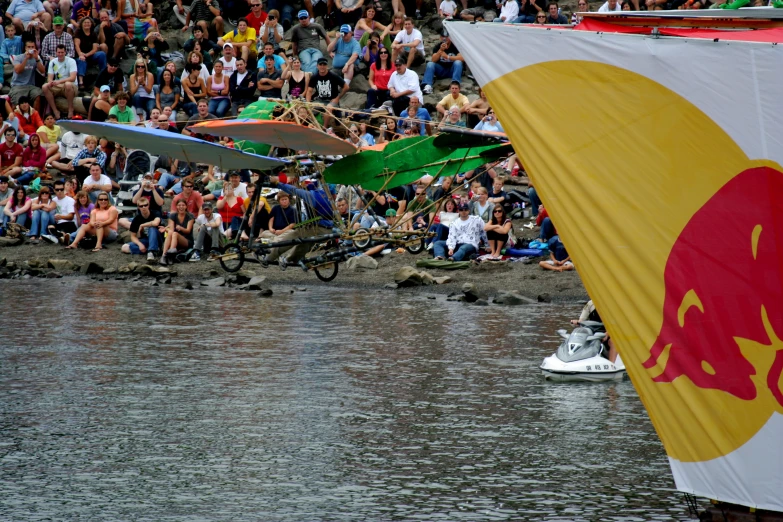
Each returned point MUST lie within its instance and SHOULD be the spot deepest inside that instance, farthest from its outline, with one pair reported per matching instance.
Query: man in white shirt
(403, 85)
(508, 12)
(465, 233)
(61, 81)
(228, 60)
(63, 214)
(610, 6)
(96, 182)
(408, 44)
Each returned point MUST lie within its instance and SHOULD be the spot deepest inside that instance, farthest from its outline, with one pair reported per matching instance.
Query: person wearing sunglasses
(103, 224)
(380, 73)
(257, 16)
(581, 7)
(145, 237)
(489, 123)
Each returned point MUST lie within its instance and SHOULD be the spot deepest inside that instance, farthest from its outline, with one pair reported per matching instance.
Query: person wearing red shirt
(191, 197)
(34, 155)
(29, 119)
(231, 210)
(10, 155)
(257, 16)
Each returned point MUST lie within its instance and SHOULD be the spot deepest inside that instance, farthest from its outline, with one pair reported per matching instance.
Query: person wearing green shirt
(123, 113)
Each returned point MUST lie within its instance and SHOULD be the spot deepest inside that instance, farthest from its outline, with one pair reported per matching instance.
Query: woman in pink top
(217, 90)
(17, 210)
(102, 225)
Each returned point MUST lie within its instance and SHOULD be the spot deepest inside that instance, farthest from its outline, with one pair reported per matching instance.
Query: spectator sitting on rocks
(559, 259)
(193, 200)
(420, 212)
(528, 11)
(64, 224)
(205, 13)
(367, 26)
(453, 118)
(271, 32)
(244, 40)
(43, 213)
(208, 225)
(167, 91)
(420, 113)
(497, 231)
(209, 49)
(465, 234)
(81, 10)
(50, 135)
(86, 44)
(100, 106)
(242, 87)
(447, 9)
(408, 44)
(345, 53)
(230, 207)
(29, 119)
(482, 12)
(112, 77)
(23, 78)
(508, 12)
(11, 44)
(554, 16)
(82, 209)
(96, 183)
(194, 89)
(145, 237)
(306, 43)
(102, 225)
(270, 83)
(443, 219)
(348, 11)
(369, 53)
(482, 206)
(409, 125)
(18, 209)
(61, 81)
(326, 88)
(446, 62)
(403, 85)
(140, 88)
(112, 36)
(179, 230)
(33, 160)
(380, 73)
(23, 12)
(11, 156)
(354, 138)
(454, 99)
(6, 192)
(59, 36)
(365, 134)
(281, 65)
(389, 131)
(396, 25)
(122, 111)
(296, 78)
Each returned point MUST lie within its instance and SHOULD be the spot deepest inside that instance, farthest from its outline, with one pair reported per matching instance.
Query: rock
(188, 285)
(361, 263)
(36, 263)
(92, 268)
(214, 272)
(353, 100)
(242, 277)
(471, 293)
(11, 265)
(481, 302)
(144, 270)
(127, 269)
(544, 298)
(163, 270)
(512, 299)
(391, 286)
(427, 279)
(361, 85)
(53, 275)
(164, 279)
(3, 262)
(109, 271)
(431, 297)
(407, 276)
(214, 283)
(300, 289)
(455, 297)
(442, 280)
(63, 265)
(493, 267)
(267, 292)
(258, 283)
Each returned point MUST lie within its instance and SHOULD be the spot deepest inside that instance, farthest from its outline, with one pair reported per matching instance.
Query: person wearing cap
(465, 234)
(243, 38)
(61, 81)
(23, 12)
(209, 224)
(408, 44)
(228, 59)
(306, 42)
(145, 237)
(326, 88)
(57, 37)
(344, 52)
(446, 61)
(403, 85)
(110, 77)
(204, 13)
(112, 37)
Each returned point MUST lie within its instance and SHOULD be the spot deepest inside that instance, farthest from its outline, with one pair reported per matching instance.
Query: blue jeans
(367, 220)
(98, 58)
(25, 178)
(147, 104)
(547, 230)
(463, 250)
(534, 200)
(166, 180)
(41, 222)
(436, 70)
(441, 233)
(524, 19)
(21, 220)
(151, 242)
(309, 59)
(219, 107)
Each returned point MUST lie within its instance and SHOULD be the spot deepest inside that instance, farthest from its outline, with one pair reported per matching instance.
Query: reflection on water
(138, 403)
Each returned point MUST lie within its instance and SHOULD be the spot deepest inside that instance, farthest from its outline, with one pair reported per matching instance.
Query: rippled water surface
(122, 402)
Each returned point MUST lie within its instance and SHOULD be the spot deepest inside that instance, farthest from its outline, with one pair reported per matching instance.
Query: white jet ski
(583, 357)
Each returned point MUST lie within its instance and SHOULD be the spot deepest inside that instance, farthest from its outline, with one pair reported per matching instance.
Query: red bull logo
(724, 282)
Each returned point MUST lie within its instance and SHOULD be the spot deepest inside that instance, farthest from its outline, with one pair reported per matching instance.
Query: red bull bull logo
(724, 282)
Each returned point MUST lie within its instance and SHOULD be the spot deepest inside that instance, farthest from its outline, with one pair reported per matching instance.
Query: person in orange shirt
(29, 119)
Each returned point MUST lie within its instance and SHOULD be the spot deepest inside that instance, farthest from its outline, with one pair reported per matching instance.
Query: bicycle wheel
(362, 238)
(327, 271)
(415, 248)
(232, 257)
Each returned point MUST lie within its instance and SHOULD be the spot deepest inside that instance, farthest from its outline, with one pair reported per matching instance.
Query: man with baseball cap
(326, 88)
(465, 234)
(57, 37)
(207, 224)
(306, 41)
(403, 85)
(228, 59)
(344, 52)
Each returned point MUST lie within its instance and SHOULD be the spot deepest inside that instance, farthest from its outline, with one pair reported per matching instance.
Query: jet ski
(582, 356)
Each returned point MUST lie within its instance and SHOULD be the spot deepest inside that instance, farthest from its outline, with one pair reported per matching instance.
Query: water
(121, 402)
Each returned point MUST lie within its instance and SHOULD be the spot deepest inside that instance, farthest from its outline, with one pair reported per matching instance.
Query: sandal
(71, 247)
(98, 249)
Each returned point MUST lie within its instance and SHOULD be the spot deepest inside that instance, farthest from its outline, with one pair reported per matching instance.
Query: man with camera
(446, 61)
(23, 79)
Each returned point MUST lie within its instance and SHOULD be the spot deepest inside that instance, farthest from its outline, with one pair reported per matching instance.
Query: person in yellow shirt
(454, 99)
(50, 135)
(243, 38)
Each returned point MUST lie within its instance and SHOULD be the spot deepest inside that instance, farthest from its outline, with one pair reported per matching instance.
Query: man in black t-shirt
(145, 236)
(446, 61)
(112, 37)
(269, 82)
(111, 76)
(327, 88)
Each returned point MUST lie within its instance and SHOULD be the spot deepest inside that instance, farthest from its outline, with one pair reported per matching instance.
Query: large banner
(659, 160)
